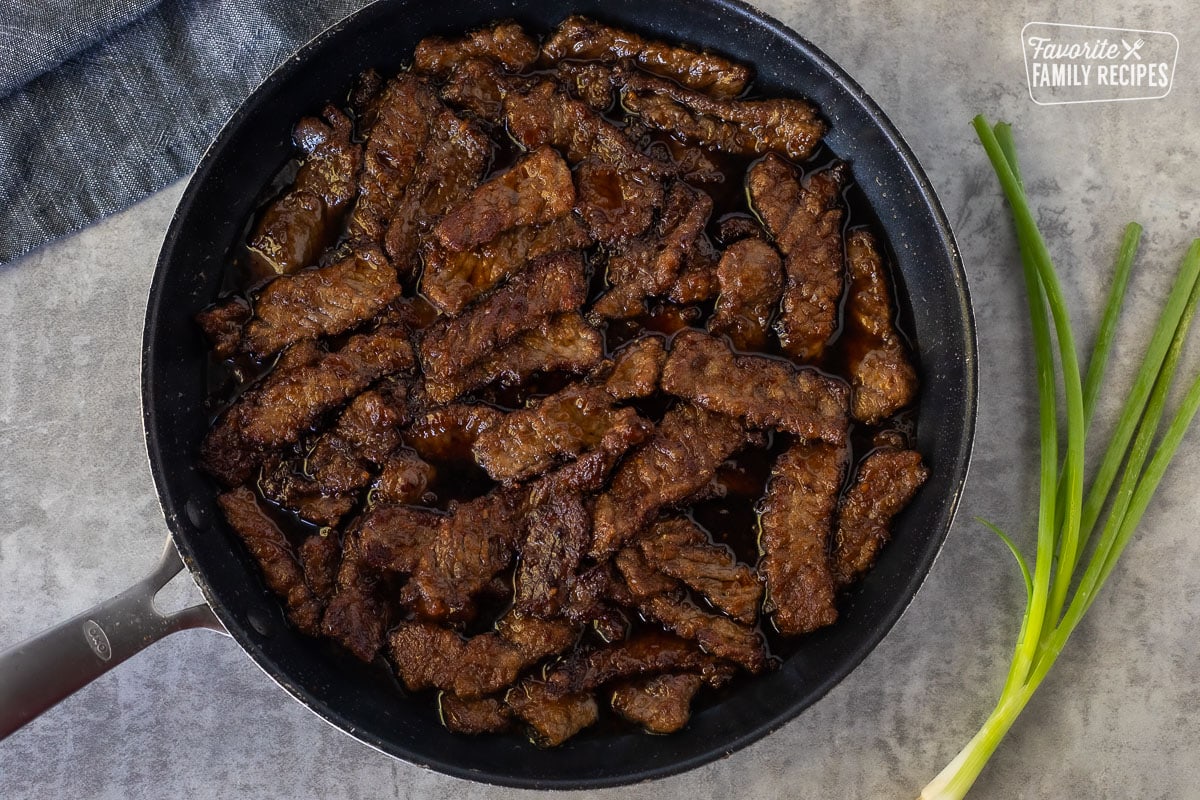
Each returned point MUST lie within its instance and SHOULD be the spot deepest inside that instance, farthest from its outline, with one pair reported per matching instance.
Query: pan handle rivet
(97, 639)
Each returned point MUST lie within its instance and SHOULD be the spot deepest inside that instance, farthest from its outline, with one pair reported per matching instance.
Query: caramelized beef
(616, 204)
(886, 481)
(405, 477)
(636, 368)
(797, 523)
(301, 223)
(750, 276)
(681, 550)
(480, 715)
(269, 547)
(678, 462)
(763, 392)
(224, 324)
(320, 555)
(505, 42)
(581, 38)
(552, 717)
(806, 222)
(882, 378)
(659, 704)
(448, 432)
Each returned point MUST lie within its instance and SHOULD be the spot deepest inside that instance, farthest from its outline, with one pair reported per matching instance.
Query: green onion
(1058, 593)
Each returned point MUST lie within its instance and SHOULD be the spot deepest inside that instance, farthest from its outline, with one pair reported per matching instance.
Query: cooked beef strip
(295, 228)
(404, 479)
(533, 191)
(649, 265)
(750, 275)
(796, 526)
(536, 638)
(356, 617)
(736, 226)
(364, 100)
(581, 38)
(269, 547)
(455, 159)
(716, 634)
(647, 652)
(481, 86)
(391, 537)
(473, 717)
(559, 427)
(549, 286)
(395, 143)
(320, 555)
(282, 410)
(559, 528)
(343, 460)
(806, 222)
(321, 302)
(552, 718)
(451, 280)
(504, 42)
(588, 604)
(882, 378)
(661, 703)
(643, 580)
(616, 204)
(676, 547)
(561, 343)
(886, 481)
(446, 433)
(635, 369)
(429, 656)
(678, 462)
(283, 481)
(225, 453)
(223, 325)
(474, 543)
(742, 127)
(546, 115)
(761, 391)
(697, 279)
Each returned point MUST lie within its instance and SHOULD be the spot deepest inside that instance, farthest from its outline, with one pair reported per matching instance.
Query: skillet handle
(43, 670)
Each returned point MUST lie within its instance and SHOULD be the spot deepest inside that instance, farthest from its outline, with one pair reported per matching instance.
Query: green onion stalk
(1062, 585)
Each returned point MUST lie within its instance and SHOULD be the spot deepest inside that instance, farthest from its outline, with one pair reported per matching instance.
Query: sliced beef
(650, 265)
(224, 324)
(391, 537)
(660, 704)
(429, 656)
(536, 638)
(559, 529)
(534, 191)
(590, 81)
(356, 616)
(636, 368)
(763, 392)
(454, 161)
(451, 280)
(750, 276)
(552, 717)
(742, 127)
(447, 433)
(648, 652)
(481, 86)
(616, 204)
(505, 43)
(284, 481)
(269, 547)
(882, 378)
(284, 408)
(395, 144)
(797, 524)
(886, 481)
(321, 302)
(677, 548)
(559, 427)
(588, 604)
(563, 343)
(344, 459)
(584, 39)
(550, 286)
(473, 717)
(546, 115)
(641, 578)
(319, 556)
(718, 635)
(300, 224)
(697, 279)
(405, 477)
(473, 544)
(806, 222)
(678, 462)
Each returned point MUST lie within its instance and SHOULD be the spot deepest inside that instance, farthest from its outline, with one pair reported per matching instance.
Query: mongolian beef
(557, 375)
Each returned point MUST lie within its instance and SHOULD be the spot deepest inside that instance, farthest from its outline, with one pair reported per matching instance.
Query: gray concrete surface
(193, 717)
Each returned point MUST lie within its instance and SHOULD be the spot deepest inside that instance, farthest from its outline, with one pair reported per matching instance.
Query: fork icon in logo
(1132, 49)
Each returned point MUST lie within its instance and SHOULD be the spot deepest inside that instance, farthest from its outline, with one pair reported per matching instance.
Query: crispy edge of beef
(505, 43)
(224, 324)
(659, 703)
(750, 277)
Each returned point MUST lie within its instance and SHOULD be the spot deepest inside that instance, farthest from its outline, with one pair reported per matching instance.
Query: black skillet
(229, 181)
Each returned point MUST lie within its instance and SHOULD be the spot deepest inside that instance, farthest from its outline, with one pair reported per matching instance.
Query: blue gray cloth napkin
(103, 102)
